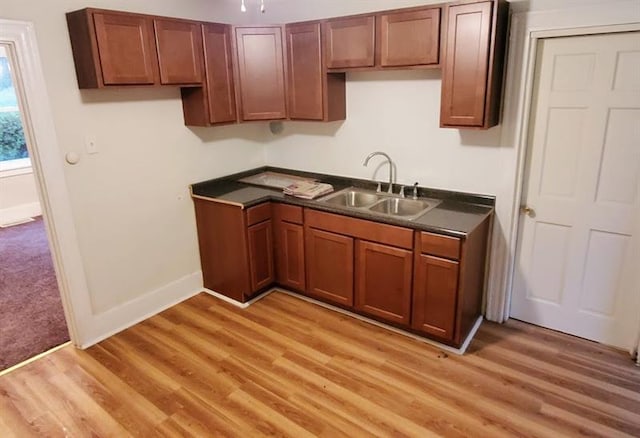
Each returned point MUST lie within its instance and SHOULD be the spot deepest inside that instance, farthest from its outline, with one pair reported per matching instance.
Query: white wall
(130, 203)
(18, 197)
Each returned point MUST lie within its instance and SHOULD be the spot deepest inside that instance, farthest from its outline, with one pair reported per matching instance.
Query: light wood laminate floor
(286, 367)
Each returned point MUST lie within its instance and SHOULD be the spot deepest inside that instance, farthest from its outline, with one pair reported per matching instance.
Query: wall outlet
(90, 144)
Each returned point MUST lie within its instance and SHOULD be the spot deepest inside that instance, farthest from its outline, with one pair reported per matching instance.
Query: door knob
(528, 211)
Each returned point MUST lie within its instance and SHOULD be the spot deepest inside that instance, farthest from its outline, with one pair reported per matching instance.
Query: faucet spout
(373, 154)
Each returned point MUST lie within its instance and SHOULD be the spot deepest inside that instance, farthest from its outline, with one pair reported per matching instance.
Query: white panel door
(577, 269)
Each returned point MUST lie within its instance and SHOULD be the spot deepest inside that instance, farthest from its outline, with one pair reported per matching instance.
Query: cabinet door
(329, 266)
(127, 49)
(260, 66)
(409, 38)
(179, 51)
(466, 64)
(290, 256)
(435, 292)
(383, 281)
(260, 255)
(219, 73)
(306, 78)
(350, 42)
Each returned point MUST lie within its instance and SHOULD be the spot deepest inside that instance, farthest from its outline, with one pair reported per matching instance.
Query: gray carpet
(31, 316)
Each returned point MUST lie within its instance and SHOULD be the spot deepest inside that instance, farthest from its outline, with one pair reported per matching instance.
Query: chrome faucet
(373, 154)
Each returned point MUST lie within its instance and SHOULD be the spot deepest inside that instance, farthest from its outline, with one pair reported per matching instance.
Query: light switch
(90, 144)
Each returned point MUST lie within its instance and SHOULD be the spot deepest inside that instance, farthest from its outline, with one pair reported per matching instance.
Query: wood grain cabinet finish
(434, 296)
(180, 53)
(313, 93)
(409, 38)
(473, 64)
(260, 238)
(329, 259)
(289, 246)
(215, 102)
(222, 239)
(261, 71)
(383, 282)
(350, 42)
(113, 48)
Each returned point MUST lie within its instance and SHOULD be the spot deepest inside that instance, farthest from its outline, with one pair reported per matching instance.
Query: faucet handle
(401, 191)
(379, 188)
(415, 190)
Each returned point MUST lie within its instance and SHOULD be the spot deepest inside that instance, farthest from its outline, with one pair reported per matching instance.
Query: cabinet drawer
(361, 229)
(439, 245)
(288, 213)
(258, 213)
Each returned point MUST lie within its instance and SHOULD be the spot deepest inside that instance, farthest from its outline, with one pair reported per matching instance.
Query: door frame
(532, 36)
(526, 28)
(45, 154)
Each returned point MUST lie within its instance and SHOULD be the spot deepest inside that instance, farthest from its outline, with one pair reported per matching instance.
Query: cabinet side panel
(496, 64)
(223, 248)
(335, 99)
(85, 51)
(194, 106)
(472, 272)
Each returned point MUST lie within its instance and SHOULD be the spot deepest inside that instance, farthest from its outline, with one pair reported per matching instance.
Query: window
(13, 146)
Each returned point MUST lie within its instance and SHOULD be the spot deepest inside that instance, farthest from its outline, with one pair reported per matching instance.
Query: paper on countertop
(308, 189)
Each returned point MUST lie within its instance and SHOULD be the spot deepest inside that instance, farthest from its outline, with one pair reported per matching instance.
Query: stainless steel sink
(380, 203)
(401, 207)
(353, 198)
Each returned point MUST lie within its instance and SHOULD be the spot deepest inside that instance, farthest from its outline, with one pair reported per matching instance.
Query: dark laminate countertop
(457, 215)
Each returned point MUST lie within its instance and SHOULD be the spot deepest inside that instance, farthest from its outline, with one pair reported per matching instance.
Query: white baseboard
(132, 312)
(233, 302)
(19, 213)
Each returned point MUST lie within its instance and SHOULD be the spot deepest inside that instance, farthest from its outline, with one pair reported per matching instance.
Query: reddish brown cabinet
(329, 259)
(260, 67)
(113, 48)
(289, 246)
(435, 293)
(313, 94)
(409, 38)
(350, 42)
(215, 102)
(473, 64)
(179, 45)
(383, 281)
(261, 255)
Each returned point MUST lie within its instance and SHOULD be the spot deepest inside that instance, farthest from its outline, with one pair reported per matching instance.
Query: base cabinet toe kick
(422, 282)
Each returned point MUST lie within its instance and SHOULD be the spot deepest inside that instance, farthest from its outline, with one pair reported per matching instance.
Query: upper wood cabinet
(473, 64)
(215, 102)
(313, 94)
(408, 38)
(112, 48)
(179, 51)
(350, 42)
(261, 72)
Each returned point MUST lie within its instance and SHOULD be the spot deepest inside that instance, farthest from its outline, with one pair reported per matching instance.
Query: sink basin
(353, 198)
(401, 207)
(380, 203)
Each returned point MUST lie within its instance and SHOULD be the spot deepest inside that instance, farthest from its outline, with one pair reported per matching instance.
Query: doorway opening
(32, 319)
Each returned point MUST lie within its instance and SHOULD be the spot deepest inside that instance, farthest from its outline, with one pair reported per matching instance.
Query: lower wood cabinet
(383, 281)
(428, 283)
(329, 266)
(261, 255)
(435, 293)
(289, 246)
